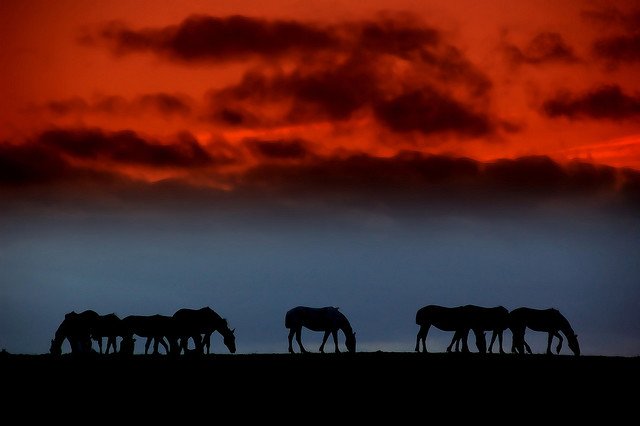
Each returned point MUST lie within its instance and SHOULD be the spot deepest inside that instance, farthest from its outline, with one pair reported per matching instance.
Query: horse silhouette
(193, 323)
(76, 328)
(327, 319)
(155, 328)
(459, 319)
(483, 319)
(109, 326)
(545, 320)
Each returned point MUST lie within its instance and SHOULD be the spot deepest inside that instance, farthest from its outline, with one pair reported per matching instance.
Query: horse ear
(233, 331)
(354, 333)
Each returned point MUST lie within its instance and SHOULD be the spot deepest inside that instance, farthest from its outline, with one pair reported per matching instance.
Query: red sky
(206, 92)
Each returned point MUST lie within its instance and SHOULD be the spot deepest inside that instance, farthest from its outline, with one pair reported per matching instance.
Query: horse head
(572, 341)
(350, 341)
(229, 338)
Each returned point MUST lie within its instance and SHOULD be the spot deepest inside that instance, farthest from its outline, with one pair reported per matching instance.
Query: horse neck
(565, 327)
(343, 324)
(59, 337)
(223, 328)
(567, 330)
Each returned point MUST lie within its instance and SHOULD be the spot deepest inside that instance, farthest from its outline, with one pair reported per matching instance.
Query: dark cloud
(605, 102)
(127, 147)
(618, 49)
(337, 94)
(278, 149)
(334, 93)
(428, 111)
(161, 103)
(287, 172)
(388, 67)
(621, 42)
(31, 163)
(58, 155)
(613, 18)
(544, 48)
(214, 39)
(419, 177)
(207, 38)
(362, 83)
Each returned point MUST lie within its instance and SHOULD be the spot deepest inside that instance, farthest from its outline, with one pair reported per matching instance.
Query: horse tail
(288, 320)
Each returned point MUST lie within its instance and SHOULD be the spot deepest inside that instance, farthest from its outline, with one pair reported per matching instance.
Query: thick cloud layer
(605, 102)
(283, 169)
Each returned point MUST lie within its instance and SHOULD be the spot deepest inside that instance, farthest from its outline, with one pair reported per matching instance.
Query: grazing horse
(327, 319)
(193, 323)
(483, 319)
(546, 320)
(458, 319)
(155, 328)
(76, 328)
(109, 326)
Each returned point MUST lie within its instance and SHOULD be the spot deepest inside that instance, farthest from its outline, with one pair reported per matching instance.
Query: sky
(379, 156)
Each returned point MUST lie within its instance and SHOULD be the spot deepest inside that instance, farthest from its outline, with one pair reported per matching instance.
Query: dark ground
(372, 384)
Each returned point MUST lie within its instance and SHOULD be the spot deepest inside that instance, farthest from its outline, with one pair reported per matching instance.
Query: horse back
(317, 319)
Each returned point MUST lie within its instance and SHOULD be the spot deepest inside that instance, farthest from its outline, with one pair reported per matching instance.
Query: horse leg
(291, 333)
(164, 345)
(493, 339)
(526, 346)
(206, 341)
(559, 343)
(465, 336)
(184, 345)
(481, 340)
(549, 340)
(455, 339)
(500, 342)
(517, 341)
(422, 337)
(197, 340)
(99, 340)
(324, 340)
(147, 344)
(110, 342)
(299, 340)
(334, 333)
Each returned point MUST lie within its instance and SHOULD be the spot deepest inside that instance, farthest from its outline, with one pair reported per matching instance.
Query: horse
(109, 326)
(155, 328)
(76, 328)
(483, 319)
(458, 319)
(193, 323)
(327, 319)
(546, 320)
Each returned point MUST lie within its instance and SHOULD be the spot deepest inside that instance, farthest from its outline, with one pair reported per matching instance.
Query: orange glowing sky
(489, 79)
